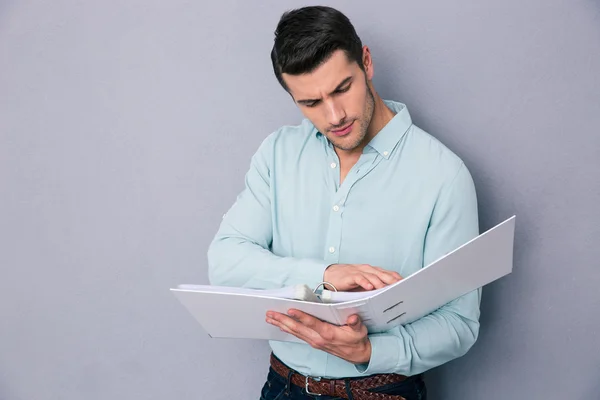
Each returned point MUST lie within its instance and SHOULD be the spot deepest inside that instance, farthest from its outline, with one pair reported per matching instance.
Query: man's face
(336, 99)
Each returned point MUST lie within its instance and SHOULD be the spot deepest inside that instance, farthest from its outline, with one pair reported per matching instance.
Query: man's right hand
(353, 277)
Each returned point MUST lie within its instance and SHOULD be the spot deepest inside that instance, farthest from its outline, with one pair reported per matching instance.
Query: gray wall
(125, 131)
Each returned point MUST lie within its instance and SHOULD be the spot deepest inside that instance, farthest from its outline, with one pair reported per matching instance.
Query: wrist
(327, 275)
(365, 353)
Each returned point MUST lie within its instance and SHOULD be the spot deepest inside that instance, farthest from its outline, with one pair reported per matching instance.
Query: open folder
(227, 312)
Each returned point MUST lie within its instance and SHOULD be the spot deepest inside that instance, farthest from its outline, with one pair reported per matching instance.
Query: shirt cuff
(311, 272)
(385, 353)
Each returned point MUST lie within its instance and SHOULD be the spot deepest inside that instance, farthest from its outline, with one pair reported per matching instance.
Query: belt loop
(348, 389)
(288, 384)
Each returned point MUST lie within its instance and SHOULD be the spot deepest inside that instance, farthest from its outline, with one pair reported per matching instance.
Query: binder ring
(323, 284)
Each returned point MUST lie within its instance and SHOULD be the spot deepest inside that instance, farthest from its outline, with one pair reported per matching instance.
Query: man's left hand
(349, 342)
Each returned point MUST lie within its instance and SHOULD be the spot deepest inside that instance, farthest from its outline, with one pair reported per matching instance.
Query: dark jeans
(277, 388)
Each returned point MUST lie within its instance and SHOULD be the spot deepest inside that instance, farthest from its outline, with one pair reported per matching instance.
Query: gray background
(125, 131)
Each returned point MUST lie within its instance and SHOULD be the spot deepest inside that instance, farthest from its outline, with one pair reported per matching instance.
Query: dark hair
(306, 37)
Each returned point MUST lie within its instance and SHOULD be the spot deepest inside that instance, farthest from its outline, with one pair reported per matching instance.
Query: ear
(367, 62)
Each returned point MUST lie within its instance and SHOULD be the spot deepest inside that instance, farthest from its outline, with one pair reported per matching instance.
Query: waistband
(357, 387)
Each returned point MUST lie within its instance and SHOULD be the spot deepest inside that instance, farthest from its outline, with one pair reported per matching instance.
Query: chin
(347, 144)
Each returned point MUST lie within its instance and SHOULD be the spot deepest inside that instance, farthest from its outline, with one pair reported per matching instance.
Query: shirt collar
(388, 137)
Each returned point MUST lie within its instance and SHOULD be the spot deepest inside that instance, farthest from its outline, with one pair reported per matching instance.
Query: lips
(344, 131)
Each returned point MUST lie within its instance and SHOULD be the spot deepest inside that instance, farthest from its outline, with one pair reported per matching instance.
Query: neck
(381, 116)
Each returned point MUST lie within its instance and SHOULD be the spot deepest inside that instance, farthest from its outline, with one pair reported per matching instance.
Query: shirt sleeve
(240, 254)
(449, 332)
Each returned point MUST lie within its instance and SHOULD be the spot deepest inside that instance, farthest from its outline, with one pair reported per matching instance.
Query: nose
(335, 113)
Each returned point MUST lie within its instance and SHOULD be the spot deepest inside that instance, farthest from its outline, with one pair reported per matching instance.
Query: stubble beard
(364, 122)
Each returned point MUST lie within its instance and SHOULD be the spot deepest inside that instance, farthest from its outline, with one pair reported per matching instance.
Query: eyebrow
(337, 88)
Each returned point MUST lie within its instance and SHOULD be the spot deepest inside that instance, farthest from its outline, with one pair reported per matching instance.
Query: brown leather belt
(337, 387)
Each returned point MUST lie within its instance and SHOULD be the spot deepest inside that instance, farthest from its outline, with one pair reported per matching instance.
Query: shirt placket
(339, 198)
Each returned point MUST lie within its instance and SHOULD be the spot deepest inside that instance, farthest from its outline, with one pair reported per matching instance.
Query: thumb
(355, 323)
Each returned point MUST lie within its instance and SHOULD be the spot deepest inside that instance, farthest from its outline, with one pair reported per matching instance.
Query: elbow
(461, 335)
(224, 264)
(465, 329)
(217, 265)
(214, 277)
(218, 275)
(468, 338)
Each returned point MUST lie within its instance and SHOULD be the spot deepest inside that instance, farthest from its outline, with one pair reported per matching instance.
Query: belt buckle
(316, 379)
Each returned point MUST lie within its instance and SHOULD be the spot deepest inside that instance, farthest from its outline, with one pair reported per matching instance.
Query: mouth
(343, 131)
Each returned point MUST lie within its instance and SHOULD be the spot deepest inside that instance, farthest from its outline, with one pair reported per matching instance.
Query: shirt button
(336, 208)
(332, 249)
(333, 165)
(385, 153)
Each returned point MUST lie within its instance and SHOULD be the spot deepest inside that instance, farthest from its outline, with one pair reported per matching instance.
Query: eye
(344, 90)
(311, 105)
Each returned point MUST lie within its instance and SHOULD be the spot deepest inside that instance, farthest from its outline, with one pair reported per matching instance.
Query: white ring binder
(323, 284)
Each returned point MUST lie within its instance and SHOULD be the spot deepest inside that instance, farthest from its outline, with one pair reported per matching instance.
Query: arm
(239, 254)
(450, 331)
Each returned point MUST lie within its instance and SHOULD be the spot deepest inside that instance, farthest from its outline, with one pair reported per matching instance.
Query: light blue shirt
(408, 201)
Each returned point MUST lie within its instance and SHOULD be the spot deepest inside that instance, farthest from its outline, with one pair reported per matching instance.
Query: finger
(281, 325)
(322, 330)
(388, 276)
(305, 334)
(286, 329)
(361, 281)
(305, 319)
(375, 280)
(384, 275)
(273, 314)
(291, 325)
(282, 320)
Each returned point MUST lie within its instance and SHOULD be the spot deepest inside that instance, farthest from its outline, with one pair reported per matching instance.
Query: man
(356, 196)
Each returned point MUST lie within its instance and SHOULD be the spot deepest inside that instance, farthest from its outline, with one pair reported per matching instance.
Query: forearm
(239, 254)
(236, 261)
(431, 341)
